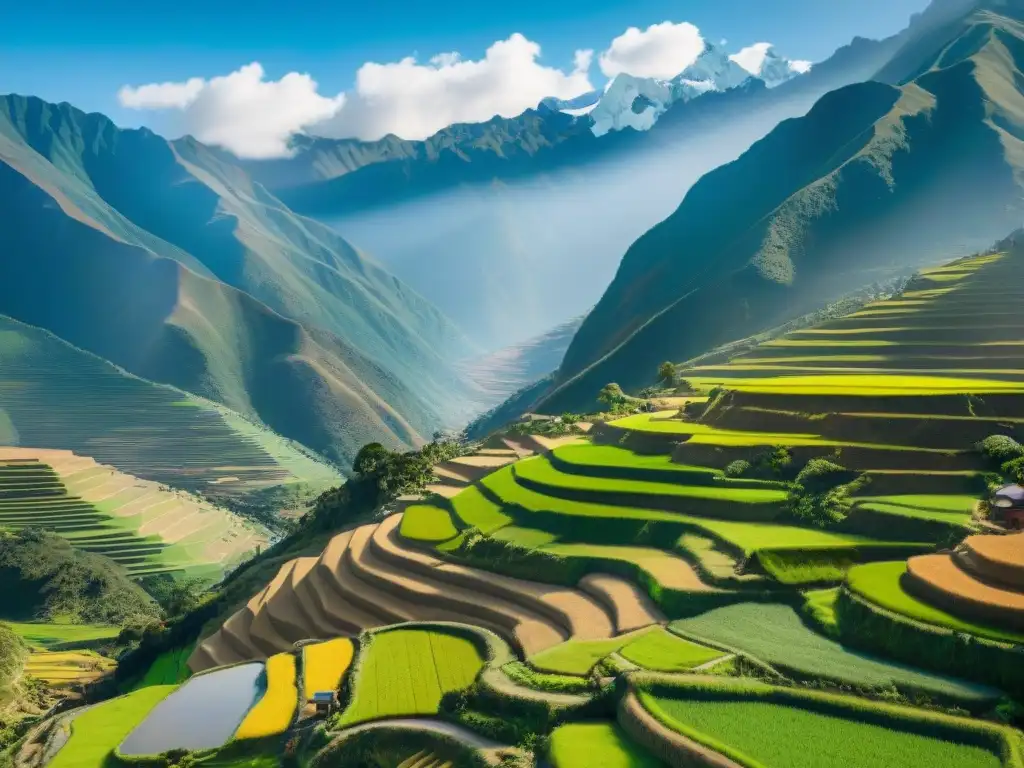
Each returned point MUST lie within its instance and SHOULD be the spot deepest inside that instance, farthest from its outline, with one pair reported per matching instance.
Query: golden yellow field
(61, 669)
(274, 712)
(324, 665)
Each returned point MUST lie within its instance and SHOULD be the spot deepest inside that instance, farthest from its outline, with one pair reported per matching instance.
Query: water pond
(204, 713)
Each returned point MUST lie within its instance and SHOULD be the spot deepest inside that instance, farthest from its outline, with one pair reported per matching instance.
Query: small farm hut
(1008, 502)
(325, 702)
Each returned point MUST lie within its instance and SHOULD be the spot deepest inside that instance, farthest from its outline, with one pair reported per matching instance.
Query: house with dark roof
(1008, 505)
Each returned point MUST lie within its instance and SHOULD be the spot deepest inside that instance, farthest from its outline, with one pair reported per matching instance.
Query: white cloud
(801, 66)
(415, 100)
(242, 111)
(751, 58)
(662, 50)
(161, 95)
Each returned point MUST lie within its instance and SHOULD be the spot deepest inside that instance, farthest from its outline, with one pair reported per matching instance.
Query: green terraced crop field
(879, 583)
(406, 671)
(652, 648)
(37, 634)
(775, 634)
(422, 522)
(205, 540)
(748, 537)
(476, 510)
(665, 652)
(764, 733)
(574, 745)
(57, 396)
(540, 470)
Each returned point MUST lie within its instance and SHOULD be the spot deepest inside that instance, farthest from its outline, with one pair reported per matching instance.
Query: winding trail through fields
(469, 738)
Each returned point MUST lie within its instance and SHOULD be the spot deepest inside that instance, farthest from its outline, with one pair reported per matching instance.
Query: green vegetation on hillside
(44, 577)
(57, 396)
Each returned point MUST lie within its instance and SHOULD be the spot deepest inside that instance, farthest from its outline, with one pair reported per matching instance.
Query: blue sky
(67, 50)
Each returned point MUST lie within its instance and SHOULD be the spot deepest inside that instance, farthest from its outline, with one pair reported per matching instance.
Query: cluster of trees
(618, 401)
(380, 475)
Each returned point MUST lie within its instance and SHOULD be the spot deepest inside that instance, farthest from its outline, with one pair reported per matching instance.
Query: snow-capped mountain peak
(637, 102)
(761, 60)
(716, 67)
(631, 102)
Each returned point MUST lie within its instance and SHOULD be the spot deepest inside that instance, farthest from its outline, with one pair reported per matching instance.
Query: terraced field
(371, 577)
(405, 672)
(64, 669)
(680, 551)
(137, 523)
(52, 394)
(756, 724)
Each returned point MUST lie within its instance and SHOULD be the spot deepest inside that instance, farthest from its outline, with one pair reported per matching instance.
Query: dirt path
(470, 738)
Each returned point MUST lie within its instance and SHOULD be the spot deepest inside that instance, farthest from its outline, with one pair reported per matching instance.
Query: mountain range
(249, 283)
(520, 222)
(170, 262)
(878, 176)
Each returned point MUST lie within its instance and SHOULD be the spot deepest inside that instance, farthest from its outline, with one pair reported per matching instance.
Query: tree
(611, 395)
(667, 374)
(370, 457)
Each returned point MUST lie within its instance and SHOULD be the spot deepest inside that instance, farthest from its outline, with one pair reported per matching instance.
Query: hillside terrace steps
(313, 617)
(530, 628)
(366, 577)
(528, 631)
(579, 614)
(284, 610)
(939, 580)
(234, 633)
(628, 605)
(263, 635)
(325, 583)
(523, 445)
(311, 596)
(997, 559)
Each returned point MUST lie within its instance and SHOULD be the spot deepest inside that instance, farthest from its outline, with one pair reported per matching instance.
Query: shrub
(819, 475)
(612, 395)
(821, 495)
(737, 468)
(1000, 448)
(667, 374)
(1014, 469)
(773, 464)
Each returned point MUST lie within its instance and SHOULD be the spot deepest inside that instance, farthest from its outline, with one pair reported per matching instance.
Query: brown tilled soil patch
(937, 579)
(999, 557)
(630, 607)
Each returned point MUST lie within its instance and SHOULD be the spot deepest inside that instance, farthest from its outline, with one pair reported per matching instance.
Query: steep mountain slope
(874, 178)
(53, 394)
(173, 265)
(510, 369)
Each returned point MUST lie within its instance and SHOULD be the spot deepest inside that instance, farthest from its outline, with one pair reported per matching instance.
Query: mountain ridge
(896, 160)
(198, 322)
